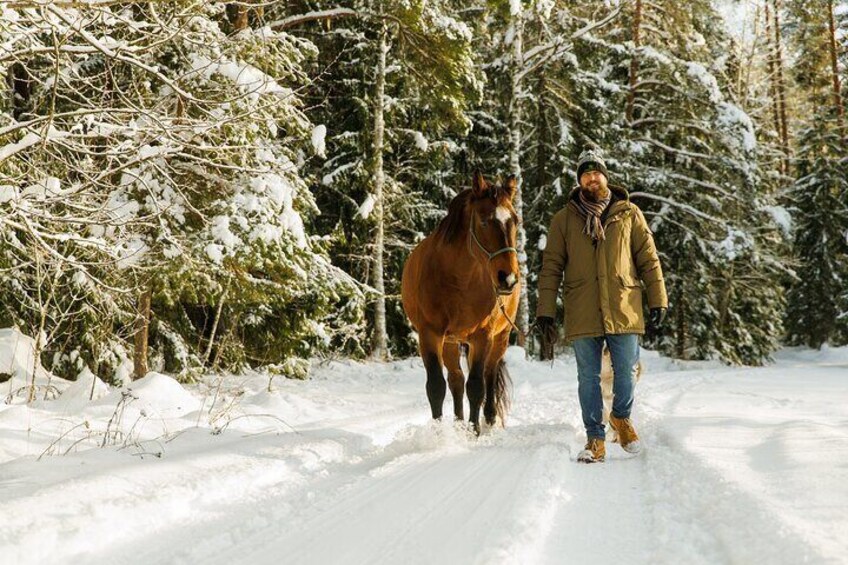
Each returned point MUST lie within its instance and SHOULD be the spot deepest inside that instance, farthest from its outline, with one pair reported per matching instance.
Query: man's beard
(595, 191)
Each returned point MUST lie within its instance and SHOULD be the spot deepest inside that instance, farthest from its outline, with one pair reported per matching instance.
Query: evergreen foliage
(222, 159)
(818, 312)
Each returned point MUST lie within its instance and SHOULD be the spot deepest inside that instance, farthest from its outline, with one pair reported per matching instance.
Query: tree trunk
(837, 89)
(237, 14)
(142, 328)
(634, 60)
(20, 82)
(725, 299)
(772, 71)
(216, 321)
(380, 350)
(523, 317)
(542, 157)
(42, 324)
(542, 154)
(39, 347)
(781, 86)
(680, 307)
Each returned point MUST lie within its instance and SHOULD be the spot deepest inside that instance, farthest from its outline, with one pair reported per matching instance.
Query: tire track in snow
(663, 506)
(429, 484)
(697, 516)
(488, 504)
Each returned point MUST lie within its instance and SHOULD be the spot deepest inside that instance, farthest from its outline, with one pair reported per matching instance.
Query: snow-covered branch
(300, 19)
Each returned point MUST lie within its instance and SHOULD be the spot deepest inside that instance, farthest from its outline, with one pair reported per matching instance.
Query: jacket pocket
(628, 315)
(629, 281)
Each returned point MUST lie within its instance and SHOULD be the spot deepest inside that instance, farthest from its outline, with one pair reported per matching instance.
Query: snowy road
(740, 466)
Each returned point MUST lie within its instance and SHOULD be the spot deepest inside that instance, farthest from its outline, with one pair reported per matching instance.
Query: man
(601, 246)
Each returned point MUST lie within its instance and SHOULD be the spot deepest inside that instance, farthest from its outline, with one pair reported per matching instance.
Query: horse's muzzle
(506, 283)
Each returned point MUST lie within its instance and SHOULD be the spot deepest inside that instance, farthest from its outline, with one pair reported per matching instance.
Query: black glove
(547, 327)
(657, 317)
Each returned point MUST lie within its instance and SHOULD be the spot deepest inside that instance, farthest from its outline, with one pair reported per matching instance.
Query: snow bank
(740, 465)
(79, 394)
(827, 355)
(157, 395)
(17, 362)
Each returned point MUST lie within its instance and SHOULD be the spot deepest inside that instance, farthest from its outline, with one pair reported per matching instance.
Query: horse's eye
(484, 223)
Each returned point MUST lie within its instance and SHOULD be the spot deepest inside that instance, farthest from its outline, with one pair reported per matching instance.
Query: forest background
(191, 185)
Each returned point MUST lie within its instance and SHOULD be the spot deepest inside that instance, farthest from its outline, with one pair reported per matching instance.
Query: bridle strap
(483, 249)
(522, 336)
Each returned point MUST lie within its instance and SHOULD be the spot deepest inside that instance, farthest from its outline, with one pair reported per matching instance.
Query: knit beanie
(591, 160)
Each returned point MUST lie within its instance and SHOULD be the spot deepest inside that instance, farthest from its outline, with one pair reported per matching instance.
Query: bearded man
(599, 247)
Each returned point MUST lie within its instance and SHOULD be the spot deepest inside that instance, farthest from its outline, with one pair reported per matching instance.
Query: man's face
(594, 184)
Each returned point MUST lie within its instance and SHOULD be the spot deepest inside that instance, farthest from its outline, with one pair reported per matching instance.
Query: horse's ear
(511, 186)
(479, 186)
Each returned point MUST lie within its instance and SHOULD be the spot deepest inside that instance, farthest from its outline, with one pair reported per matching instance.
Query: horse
(460, 288)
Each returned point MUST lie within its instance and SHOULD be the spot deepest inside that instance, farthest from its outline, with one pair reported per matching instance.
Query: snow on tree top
(707, 79)
(734, 117)
(319, 134)
(251, 80)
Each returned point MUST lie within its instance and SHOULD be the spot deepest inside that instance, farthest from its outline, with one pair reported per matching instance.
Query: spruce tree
(427, 78)
(816, 311)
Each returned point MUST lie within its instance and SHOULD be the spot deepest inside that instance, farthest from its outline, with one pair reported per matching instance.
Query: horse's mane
(452, 226)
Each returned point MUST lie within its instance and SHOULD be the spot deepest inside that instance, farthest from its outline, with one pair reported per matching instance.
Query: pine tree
(816, 312)
(428, 77)
(664, 110)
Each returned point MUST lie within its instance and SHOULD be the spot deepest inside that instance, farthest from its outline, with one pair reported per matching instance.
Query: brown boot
(626, 434)
(594, 452)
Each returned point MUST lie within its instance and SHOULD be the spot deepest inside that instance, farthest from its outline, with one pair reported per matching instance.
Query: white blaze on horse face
(503, 214)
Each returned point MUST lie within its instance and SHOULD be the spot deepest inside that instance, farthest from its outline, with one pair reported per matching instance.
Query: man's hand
(547, 327)
(657, 317)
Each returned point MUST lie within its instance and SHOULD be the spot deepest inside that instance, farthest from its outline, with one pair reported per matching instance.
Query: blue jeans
(624, 349)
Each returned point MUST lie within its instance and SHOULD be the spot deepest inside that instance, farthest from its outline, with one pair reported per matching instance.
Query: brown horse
(459, 285)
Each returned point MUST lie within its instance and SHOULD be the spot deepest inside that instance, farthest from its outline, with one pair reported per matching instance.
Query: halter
(483, 249)
(522, 336)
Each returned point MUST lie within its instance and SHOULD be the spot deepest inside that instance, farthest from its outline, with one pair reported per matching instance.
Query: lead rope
(522, 336)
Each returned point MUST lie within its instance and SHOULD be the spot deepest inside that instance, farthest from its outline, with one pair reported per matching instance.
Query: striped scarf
(591, 211)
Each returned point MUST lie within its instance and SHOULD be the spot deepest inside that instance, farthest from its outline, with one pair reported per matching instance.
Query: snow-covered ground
(741, 465)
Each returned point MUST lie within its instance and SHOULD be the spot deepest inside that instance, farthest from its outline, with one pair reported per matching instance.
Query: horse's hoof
(464, 429)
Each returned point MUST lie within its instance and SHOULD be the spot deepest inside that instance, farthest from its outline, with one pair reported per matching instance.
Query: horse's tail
(503, 386)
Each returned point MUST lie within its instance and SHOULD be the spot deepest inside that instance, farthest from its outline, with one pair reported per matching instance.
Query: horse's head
(494, 230)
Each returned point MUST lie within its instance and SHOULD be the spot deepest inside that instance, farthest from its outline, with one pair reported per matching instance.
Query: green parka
(603, 293)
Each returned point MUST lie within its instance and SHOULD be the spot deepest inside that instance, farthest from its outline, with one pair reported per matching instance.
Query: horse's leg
(495, 386)
(456, 380)
(430, 347)
(480, 346)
